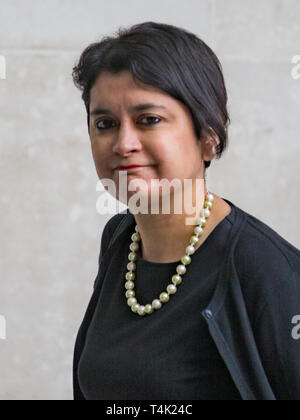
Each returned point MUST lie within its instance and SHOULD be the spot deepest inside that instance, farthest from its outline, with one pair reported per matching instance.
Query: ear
(209, 143)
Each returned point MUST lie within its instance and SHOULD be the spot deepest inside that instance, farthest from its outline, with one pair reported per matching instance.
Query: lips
(119, 168)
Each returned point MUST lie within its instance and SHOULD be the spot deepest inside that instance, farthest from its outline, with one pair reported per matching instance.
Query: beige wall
(50, 231)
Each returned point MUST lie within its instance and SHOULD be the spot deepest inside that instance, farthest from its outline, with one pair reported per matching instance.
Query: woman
(178, 311)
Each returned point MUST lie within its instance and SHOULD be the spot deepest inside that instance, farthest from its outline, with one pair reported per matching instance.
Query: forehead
(117, 90)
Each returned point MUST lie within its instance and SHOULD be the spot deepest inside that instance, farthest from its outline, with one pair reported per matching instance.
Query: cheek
(178, 150)
(102, 160)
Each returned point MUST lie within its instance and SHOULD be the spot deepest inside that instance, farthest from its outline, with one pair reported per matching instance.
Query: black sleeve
(80, 339)
(276, 335)
(79, 344)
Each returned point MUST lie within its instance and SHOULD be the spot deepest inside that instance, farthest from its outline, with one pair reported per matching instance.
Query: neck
(164, 237)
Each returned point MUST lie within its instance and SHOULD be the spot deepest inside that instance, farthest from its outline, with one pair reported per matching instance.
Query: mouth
(131, 167)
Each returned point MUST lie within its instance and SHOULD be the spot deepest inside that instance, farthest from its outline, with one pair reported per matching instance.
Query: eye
(151, 117)
(105, 124)
(101, 124)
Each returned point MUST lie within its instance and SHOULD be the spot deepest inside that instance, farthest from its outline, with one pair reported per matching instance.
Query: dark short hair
(169, 58)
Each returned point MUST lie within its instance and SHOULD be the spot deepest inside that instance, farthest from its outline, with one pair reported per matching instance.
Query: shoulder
(265, 262)
(111, 227)
(259, 246)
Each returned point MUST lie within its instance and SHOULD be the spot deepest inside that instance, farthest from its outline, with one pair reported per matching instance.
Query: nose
(127, 139)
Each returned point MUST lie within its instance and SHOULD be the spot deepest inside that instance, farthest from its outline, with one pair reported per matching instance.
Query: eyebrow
(136, 108)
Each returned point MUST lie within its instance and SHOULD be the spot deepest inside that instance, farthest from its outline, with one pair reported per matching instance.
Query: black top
(253, 316)
(168, 355)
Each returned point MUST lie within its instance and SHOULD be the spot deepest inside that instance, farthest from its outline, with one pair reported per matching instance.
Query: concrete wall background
(50, 231)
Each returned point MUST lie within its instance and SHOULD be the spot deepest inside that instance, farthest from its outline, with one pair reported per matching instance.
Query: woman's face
(160, 136)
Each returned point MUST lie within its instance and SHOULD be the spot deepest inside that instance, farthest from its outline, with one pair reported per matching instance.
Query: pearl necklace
(176, 278)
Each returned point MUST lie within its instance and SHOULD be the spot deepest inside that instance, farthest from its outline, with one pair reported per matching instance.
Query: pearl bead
(129, 285)
(198, 230)
(210, 197)
(134, 246)
(190, 250)
(136, 228)
(132, 256)
(194, 240)
(176, 279)
(171, 289)
(130, 276)
(131, 301)
(164, 297)
(131, 266)
(141, 310)
(208, 204)
(135, 237)
(186, 260)
(181, 269)
(135, 307)
(149, 309)
(130, 293)
(206, 212)
(156, 304)
(201, 221)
